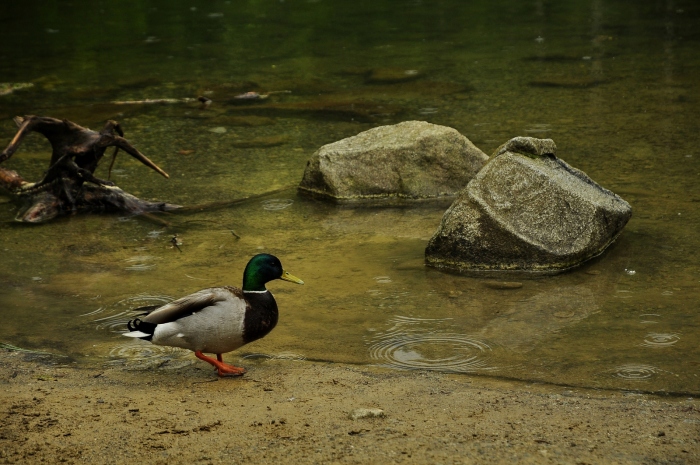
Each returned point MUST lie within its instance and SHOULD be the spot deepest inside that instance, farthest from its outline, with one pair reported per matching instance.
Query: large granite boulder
(414, 160)
(527, 210)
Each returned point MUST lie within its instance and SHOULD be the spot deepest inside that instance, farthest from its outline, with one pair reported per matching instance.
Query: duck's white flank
(215, 329)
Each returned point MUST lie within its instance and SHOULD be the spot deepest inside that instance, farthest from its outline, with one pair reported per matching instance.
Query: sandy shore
(286, 411)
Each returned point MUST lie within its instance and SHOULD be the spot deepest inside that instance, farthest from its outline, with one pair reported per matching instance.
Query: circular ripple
(648, 318)
(276, 204)
(115, 316)
(636, 372)
(138, 354)
(415, 344)
(114, 323)
(140, 263)
(659, 340)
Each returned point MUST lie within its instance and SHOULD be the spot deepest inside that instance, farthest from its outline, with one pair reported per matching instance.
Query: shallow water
(614, 85)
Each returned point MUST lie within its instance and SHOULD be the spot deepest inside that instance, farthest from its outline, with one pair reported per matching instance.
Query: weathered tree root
(69, 186)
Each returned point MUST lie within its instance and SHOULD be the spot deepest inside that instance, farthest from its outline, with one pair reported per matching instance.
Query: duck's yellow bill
(291, 278)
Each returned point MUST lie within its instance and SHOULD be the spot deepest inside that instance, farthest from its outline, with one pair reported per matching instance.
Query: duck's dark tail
(140, 329)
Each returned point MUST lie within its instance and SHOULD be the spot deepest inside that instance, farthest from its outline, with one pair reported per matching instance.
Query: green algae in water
(13, 348)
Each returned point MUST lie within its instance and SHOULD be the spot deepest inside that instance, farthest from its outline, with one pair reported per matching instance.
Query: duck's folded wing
(187, 305)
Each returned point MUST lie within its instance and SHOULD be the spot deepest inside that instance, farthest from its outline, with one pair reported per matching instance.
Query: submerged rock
(414, 160)
(527, 210)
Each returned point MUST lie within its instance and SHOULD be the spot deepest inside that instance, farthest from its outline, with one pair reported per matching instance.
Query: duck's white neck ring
(255, 292)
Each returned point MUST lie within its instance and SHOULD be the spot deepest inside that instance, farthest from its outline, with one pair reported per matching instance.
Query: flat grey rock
(410, 160)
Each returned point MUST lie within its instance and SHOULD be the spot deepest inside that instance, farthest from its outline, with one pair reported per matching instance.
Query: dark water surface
(613, 83)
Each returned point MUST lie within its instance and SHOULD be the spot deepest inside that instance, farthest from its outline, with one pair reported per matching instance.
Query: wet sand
(285, 411)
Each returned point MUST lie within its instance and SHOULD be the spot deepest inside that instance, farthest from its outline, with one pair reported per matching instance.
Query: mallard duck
(218, 319)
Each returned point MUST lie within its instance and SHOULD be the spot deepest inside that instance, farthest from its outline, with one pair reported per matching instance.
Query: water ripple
(420, 344)
(140, 355)
(535, 128)
(276, 204)
(647, 318)
(658, 340)
(140, 263)
(636, 372)
(114, 317)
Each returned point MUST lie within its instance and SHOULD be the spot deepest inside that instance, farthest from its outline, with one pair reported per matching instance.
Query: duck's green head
(263, 268)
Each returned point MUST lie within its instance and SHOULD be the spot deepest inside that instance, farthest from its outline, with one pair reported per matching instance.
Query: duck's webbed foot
(222, 368)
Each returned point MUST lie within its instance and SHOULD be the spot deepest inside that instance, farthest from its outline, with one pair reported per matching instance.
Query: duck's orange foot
(222, 368)
(229, 370)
